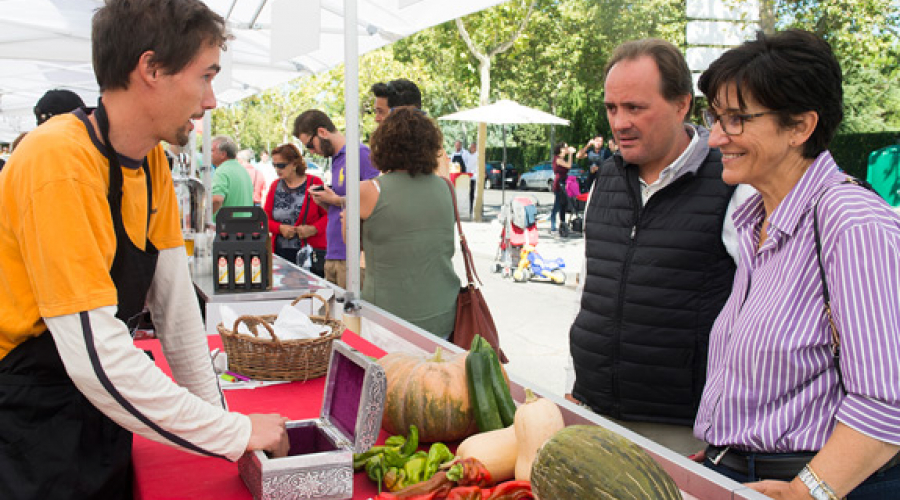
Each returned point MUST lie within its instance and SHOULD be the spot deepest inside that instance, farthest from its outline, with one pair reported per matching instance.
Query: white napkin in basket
(229, 316)
(292, 324)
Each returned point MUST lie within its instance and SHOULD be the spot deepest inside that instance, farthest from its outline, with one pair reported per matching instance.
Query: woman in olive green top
(408, 225)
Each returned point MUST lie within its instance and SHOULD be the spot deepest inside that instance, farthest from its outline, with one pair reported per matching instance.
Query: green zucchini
(481, 396)
(505, 404)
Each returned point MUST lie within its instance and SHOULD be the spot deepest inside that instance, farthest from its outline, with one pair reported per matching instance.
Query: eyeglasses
(309, 144)
(279, 165)
(732, 123)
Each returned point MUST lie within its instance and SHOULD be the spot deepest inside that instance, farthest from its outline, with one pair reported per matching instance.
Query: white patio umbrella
(505, 112)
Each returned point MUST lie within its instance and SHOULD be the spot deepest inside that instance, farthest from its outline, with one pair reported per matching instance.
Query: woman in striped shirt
(777, 410)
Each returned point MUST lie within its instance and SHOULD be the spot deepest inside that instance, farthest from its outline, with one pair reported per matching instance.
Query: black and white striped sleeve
(126, 385)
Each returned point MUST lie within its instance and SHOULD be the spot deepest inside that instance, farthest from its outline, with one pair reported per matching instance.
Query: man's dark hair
(407, 141)
(174, 30)
(310, 121)
(674, 74)
(400, 92)
(226, 145)
(790, 72)
(56, 102)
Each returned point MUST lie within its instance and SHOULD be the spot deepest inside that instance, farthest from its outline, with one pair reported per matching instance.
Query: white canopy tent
(505, 112)
(46, 44)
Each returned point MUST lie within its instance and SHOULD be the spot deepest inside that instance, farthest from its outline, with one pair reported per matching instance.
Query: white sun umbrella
(505, 112)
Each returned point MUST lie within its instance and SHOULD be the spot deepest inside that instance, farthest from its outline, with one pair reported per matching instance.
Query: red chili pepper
(470, 472)
(510, 490)
(465, 493)
(435, 488)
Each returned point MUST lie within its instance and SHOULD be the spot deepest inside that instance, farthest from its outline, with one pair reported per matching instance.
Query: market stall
(164, 472)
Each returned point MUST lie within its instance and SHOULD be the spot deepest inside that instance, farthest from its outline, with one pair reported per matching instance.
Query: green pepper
(393, 458)
(415, 470)
(375, 469)
(412, 442)
(395, 441)
(360, 459)
(437, 455)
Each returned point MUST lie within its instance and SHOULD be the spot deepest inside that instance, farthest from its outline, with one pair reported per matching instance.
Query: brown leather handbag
(473, 317)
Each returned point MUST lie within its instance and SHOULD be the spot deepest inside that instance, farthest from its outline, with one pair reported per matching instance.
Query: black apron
(54, 444)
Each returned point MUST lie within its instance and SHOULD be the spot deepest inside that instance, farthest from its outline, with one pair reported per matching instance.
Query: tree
(864, 35)
(484, 56)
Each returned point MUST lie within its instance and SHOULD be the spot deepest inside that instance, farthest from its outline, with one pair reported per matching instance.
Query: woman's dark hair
(558, 148)
(407, 140)
(175, 30)
(291, 154)
(790, 72)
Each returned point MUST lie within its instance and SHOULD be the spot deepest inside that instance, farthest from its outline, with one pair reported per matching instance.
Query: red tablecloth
(163, 472)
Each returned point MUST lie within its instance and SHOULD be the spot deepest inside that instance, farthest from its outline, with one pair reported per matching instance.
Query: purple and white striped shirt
(771, 384)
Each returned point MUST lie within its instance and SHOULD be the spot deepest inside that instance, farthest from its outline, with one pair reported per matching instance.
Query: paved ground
(533, 318)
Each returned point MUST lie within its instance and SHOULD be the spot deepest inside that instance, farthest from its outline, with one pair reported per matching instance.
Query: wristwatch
(818, 489)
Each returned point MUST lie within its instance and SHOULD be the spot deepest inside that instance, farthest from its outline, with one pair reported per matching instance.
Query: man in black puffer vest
(658, 270)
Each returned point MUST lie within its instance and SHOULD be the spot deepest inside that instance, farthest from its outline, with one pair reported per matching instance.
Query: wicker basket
(275, 359)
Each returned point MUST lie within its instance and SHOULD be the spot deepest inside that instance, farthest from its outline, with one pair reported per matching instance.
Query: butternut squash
(497, 450)
(537, 420)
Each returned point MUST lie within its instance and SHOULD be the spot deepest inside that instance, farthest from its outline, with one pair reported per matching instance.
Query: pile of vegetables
(504, 449)
(466, 479)
(397, 464)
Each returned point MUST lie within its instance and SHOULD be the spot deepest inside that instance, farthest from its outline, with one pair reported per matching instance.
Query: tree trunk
(767, 16)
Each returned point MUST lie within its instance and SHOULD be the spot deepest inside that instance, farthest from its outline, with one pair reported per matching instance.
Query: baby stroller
(519, 219)
(573, 206)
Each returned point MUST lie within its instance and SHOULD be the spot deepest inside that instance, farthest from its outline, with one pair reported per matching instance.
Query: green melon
(586, 462)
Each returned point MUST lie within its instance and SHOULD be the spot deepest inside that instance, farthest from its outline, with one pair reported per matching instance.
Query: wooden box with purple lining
(319, 464)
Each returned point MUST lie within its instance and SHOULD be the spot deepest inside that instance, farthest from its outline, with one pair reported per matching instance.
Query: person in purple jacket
(318, 133)
(819, 266)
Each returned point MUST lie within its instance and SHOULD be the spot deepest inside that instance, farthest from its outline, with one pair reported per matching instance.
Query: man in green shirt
(231, 186)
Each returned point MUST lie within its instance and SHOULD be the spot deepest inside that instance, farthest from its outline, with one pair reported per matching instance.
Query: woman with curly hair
(407, 229)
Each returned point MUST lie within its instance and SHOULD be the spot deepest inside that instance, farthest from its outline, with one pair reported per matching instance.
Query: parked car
(539, 177)
(492, 175)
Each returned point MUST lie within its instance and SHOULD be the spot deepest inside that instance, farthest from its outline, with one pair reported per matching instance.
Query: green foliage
(851, 151)
(557, 65)
(864, 35)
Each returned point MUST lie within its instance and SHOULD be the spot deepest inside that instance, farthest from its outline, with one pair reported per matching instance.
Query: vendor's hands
(269, 434)
(325, 197)
(782, 490)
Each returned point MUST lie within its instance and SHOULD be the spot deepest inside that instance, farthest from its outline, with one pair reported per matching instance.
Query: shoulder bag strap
(826, 296)
(306, 202)
(463, 244)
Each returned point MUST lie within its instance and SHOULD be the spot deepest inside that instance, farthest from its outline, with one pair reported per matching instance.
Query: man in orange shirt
(84, 247)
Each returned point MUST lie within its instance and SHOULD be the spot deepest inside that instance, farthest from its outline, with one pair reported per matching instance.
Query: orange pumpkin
(429, 392)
